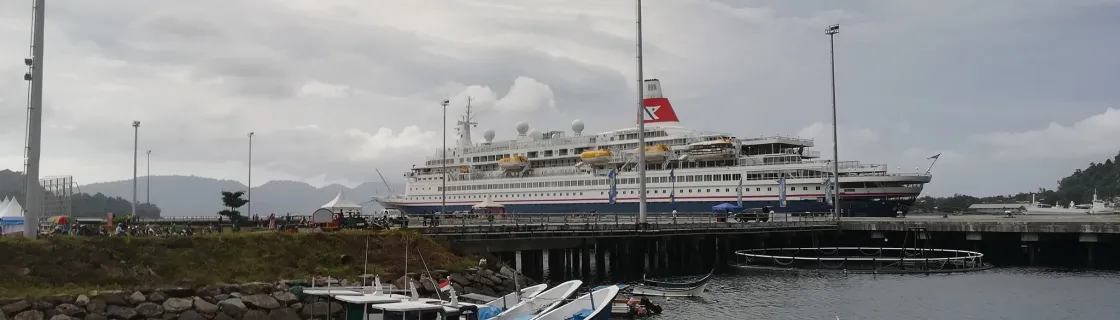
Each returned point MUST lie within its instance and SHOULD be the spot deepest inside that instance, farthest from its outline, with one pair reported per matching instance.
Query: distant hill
(1103, 177)
(81, 204)
(199, 196)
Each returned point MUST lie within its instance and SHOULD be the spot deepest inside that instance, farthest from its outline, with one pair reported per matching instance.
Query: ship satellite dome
(533, 133)
(522, 127)
(488, 135)
(577, 126)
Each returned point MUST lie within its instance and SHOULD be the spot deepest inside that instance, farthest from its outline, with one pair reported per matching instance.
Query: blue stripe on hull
(857, 208)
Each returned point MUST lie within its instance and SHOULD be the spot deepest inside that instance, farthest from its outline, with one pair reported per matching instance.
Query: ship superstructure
(687, 170)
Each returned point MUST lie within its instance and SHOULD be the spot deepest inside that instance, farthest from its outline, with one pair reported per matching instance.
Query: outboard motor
(468, 313)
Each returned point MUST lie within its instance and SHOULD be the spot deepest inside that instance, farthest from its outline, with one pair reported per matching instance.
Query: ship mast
(641, 124)
(465, 127)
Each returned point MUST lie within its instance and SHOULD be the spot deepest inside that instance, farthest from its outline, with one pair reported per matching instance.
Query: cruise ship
(687, 170)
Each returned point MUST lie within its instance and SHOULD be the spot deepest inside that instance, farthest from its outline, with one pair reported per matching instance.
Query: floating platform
(860, 260)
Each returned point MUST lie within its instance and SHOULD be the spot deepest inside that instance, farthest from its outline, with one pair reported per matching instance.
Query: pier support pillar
(555, 264)
(1032, 245)
(1090, 240)
(877, 235)
(601, 260)
(585, 262)
(663, 255)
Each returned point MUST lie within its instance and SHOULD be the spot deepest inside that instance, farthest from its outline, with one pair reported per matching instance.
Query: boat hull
(857, 207)
(664, 292)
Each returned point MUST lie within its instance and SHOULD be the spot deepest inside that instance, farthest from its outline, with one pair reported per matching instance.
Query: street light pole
(249, 190)
(135, 155)
(831, 31)
(642, 208)
(443, 177)
(148, 194)
(32, 204)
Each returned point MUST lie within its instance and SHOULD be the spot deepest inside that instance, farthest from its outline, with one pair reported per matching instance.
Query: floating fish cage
(874, 260)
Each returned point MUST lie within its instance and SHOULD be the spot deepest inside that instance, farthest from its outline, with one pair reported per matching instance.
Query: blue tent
(726, 207)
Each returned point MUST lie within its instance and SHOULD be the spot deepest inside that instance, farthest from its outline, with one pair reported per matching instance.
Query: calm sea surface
(1009, 293)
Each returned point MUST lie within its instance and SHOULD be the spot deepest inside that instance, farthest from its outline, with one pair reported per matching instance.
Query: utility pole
(32, 204)
(249, 189)
(148, 194)
(831, 31)
(135, 155)
(641, 126)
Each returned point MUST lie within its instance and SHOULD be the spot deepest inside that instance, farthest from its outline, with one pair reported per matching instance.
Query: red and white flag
(445, 285)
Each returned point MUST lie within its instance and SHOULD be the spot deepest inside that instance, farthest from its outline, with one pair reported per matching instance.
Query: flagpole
(934, 157)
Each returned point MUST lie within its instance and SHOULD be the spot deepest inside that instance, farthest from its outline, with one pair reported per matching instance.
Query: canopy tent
(488, 204)
(10, 210)
(341, 205)
(726, 207)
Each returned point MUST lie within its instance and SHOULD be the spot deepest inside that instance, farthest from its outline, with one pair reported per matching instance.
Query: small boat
(514, 298)
(542, 303)
(672, 289)
(587, 307)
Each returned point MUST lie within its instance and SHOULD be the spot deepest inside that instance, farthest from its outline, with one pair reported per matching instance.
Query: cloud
(850, 139)
(1097, 135)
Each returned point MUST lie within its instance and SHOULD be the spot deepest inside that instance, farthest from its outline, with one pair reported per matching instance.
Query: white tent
(341, 205)
(488, 204)
(10, 208)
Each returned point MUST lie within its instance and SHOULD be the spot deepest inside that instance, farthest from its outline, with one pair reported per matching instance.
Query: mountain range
(200, 196)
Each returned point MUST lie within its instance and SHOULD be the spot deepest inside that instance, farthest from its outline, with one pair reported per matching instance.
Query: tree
(233, 200)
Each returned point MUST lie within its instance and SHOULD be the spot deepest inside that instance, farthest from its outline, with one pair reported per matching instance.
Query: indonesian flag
(445, 285)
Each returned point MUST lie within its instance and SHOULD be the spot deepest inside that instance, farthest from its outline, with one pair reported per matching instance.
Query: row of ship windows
(602, 193)
(566, 152)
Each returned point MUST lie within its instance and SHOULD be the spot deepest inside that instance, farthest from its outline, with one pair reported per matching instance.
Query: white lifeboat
(655, 154)
(515, 163)
(719, 149)
(596, 157)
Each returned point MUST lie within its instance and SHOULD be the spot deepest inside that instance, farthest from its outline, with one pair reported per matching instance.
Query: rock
(460, 279)
(255, 315)
(157, 297)
(221, 297)
(208, 291)
(3, 317)
(233, 307)
(96, 305)
(257, 288)
(171, 316)
(237, 295)
(29, 315)
(113, 298)
(507, 272)
(16, 307)
(119, 312)
(177, 292)
(95, 316)
(428, 284)
(81, 300)
(204, 307)
(136, 298)
(297, 307)
(319, 309)
(177, 305)
(283, 314)
(261, 301)
(149, 310)
(223, 316)
(61, 317)
(70, 310)
(191, 315)
(59, 299)
(285, 297)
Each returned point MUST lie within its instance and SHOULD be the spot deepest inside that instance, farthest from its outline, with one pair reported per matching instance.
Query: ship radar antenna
(464, 127)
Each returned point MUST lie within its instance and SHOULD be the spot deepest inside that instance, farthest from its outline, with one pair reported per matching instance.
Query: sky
(1014, 94)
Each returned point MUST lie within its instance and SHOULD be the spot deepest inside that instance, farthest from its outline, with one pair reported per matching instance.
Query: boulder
(16, 307)
(255, 315)
(122, 313)
(42, 305)
(61, 317)
(70, 310)
(136, 298)
(460, 279)
(81, 300)
(178, 305)
(168, 316)
(157, 297)
(113, 298)
(232, 307)
(223, 316)
(95, 306)
(261, 301)
(177, 292)
(95, 316)
(428, 284)
(208, 291)
(257, 288)
(283, 314)
(204, 307)
(221, 297)
(285, 297)
(59, 299)
(149, 310)
(29, 315)
(191, 315)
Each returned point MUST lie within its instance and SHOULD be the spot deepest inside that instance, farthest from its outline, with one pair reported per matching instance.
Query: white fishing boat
(514, 298)
(692, 288)
(542, 303)
(586, 307)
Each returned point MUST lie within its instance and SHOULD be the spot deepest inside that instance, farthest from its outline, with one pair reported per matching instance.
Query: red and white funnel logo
(659, 110)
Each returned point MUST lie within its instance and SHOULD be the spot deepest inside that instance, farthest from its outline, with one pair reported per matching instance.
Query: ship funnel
(658, 108)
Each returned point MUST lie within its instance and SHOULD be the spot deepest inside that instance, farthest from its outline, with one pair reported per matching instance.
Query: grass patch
(67, 265)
